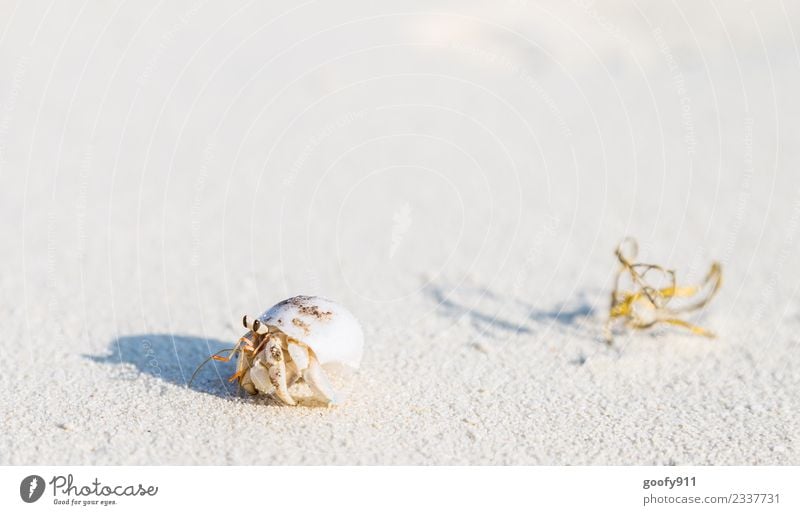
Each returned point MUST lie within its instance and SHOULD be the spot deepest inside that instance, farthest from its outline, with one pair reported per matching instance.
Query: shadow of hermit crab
(171, 358)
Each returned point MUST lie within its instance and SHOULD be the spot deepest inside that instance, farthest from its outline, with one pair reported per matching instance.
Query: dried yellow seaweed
(646, 304)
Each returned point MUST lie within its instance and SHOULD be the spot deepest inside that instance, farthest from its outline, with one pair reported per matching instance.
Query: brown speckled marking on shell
(312, 311)
(302, 325)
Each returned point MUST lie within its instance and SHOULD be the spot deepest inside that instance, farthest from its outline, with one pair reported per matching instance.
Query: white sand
(458, 180)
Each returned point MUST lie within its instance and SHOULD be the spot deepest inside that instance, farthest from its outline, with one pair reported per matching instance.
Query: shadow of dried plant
(572, 315)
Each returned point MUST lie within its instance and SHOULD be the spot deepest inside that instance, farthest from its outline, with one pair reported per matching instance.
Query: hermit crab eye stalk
(256, 326)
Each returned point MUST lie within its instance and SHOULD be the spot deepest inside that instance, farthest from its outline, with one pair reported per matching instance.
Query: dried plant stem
(645, 305)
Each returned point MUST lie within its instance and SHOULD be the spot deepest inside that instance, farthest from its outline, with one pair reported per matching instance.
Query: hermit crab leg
(243, 367)
(316, 378)
(292, 373)
(296, 361)
(246, 348)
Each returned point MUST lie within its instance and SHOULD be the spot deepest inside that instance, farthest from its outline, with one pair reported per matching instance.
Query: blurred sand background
(457, 174)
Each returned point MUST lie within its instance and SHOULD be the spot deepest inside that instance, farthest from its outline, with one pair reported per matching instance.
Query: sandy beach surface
(456, 174)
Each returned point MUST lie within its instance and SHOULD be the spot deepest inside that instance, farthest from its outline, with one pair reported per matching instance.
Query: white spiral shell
(325, 326)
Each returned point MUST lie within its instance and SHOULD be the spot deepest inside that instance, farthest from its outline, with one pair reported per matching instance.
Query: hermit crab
(297, 339)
